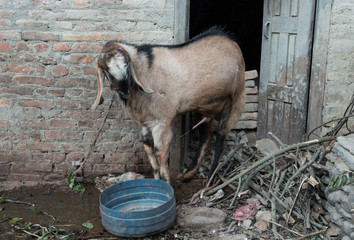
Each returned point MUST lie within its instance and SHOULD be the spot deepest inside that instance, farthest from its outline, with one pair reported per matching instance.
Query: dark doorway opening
(242, 18)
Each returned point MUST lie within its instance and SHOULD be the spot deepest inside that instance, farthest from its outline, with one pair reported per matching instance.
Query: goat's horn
(100, 77)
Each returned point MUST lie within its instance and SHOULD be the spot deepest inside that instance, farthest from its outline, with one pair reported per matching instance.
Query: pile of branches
(289, 179)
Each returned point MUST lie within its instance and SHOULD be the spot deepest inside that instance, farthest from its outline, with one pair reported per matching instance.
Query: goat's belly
(210, 109)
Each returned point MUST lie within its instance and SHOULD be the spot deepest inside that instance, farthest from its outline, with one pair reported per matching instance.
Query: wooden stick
(267, 158)
(279, 225)
(294, 201)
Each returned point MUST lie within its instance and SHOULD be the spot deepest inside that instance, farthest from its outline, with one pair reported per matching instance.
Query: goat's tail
(238, 101)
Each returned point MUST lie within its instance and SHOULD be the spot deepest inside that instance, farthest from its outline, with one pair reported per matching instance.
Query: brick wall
(47, 71)
(340, 64)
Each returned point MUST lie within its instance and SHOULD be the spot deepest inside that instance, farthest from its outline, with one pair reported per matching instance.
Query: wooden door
(285, 68)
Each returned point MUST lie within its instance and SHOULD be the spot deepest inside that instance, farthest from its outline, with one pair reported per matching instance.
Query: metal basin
(138, 208)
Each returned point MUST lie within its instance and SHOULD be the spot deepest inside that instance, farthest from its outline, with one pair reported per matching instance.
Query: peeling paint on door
(285, 68)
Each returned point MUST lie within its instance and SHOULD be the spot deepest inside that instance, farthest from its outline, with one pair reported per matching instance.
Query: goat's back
(199, 75)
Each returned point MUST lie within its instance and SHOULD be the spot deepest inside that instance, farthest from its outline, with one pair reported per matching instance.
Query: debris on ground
(109, 180)
(247, 211)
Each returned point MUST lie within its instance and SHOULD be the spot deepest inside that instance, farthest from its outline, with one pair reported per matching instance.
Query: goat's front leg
(162, 136)
(148, 149)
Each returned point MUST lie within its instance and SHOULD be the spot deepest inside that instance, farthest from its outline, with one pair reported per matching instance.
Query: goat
(158, 82)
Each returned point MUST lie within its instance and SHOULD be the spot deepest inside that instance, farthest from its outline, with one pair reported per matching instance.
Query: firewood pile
(288, 180)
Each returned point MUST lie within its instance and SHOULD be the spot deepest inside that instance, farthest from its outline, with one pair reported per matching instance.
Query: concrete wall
(339, 85)
(47, 71)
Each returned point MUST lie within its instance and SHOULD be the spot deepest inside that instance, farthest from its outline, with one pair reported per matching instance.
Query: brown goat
(156, 83)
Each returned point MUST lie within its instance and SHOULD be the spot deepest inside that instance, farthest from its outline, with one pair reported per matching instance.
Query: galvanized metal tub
(138, 207)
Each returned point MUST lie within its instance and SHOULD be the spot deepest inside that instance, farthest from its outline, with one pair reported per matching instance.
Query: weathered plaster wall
(47, 71)
(339, 85)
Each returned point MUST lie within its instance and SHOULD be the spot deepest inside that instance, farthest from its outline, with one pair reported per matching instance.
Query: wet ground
(67, 210)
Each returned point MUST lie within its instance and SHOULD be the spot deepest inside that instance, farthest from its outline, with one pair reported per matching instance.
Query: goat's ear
(100, 77)
(137, 78)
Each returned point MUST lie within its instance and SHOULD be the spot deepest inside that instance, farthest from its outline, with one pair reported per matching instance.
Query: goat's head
(114, 63)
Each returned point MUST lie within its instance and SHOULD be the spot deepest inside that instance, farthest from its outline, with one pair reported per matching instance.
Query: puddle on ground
(69, 208)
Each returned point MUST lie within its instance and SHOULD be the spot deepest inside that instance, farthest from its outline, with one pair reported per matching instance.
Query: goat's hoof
(182, 178)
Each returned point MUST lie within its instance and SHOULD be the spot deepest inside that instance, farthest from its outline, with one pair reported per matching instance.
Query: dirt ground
(68, 211)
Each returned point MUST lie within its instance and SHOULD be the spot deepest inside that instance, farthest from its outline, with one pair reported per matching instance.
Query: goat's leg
(204, 135)
(224, 126)
(148, 149)
(162, 135)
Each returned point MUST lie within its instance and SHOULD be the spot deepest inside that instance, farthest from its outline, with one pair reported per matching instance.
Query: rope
(79, 171)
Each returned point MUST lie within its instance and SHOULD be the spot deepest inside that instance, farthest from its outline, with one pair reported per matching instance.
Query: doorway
(241, 18)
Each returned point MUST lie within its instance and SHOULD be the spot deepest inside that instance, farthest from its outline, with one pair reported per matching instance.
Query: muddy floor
(26, 208)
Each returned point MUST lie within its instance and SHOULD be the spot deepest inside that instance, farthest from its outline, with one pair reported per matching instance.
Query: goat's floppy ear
(100, 77)
(137, 78)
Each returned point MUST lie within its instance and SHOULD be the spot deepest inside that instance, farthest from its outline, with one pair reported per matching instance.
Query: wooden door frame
(179, 146)
(319, 65)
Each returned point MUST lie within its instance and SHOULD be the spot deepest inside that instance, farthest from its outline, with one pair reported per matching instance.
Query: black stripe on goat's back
(213, 31)
(148, 48)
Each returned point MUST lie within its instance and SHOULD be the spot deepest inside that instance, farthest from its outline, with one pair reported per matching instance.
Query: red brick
(17, 68)
(29, 58)
(10, 35)
(75, 156)
(76, 69)
(57, 92)
(41, 47)
(35, 81)
(62, 123)
(5, 23)
(21, 168)
(41, 146)
(87, 123)
(60, 70)
(41, 3)
(73, 82)
(74, 92)
(40, 70)
(40, 36)
(4, 3)
(108, 168)
(53, 157)
(70, 135)
(5, 124)
(90, 71)
(5, 169)
(19, 90)
(21, 46)
(4, 46)
(53, 135)
(4, 146)
(6, 14)
(82, 36)
(33, 125)
(96, 47)
(6, 79)
(68, 104)
(82, 3)
(61, 47)
(47, 60)
(43, 103)
(13, 157)
(21, 4)
(5, 102)
(77, 58)
(80, 47)
(31, 177)
(32, 24)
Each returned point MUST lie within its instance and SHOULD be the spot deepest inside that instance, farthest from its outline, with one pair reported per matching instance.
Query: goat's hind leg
(224, 126)
(204, 136)
(149, 150)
